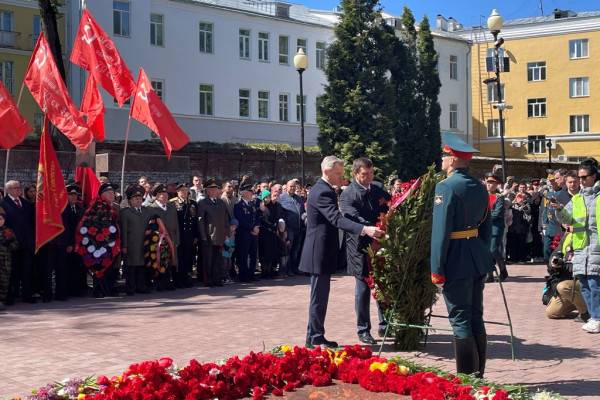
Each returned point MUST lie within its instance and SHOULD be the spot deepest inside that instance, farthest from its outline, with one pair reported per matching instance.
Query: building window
(206, 99)
(244, 97)
(536, 108)
(301, 44)
(284, 107)
(6, 21)
(579, 123)
(493, 128)
(7, 75)
(578, 48)
(320, 58)
(536, 144)
(158, 85)
(579, 87)
(263, 104)
(492, 92)
(453, 116)
(454, 67)
(157, 30)
(536, 71)
(121, 18)
(298, 108)
(263, 46)
(244, 44)
(37, 29)
(206, 37)
(284, 50)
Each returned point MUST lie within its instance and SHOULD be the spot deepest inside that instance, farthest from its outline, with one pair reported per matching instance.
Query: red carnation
(100, 237)
(93, 230)
(165, 362)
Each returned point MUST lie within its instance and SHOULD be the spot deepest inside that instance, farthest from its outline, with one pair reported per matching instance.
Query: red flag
(13, 127)
(88, 182)
(94, 51)
(51, 197)
(149, 109)
(93, 107)
(49, 91)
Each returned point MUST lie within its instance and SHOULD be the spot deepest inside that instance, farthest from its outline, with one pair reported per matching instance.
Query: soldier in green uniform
(460, 252)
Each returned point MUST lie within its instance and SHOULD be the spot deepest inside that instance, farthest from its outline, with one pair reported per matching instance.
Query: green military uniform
(460, 255)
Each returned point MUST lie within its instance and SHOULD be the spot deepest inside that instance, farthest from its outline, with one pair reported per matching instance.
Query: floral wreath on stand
(158, 247)
(97, 237)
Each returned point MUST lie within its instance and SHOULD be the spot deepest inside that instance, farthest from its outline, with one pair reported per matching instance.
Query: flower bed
(283, 370)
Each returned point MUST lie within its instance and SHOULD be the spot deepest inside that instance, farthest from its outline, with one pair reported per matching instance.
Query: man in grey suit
(213, 219)
(167, 212)
(133, 225)
(321, 247)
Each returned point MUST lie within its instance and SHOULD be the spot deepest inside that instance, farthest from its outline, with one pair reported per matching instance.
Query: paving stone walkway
(45, 342)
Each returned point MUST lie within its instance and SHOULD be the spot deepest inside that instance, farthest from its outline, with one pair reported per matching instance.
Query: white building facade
(225, 68)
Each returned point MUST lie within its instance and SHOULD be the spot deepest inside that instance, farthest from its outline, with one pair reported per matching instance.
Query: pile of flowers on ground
(260, 374)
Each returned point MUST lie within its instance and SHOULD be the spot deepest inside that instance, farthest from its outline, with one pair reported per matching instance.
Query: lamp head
(300, 60)
(495, 21)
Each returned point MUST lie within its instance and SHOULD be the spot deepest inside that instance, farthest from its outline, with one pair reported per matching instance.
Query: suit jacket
(133, 227)
(248, 217)
(496, 205)
(71, 220)
(293, 210)
(22, 221)
(460, 203)
(363, 206)
(169, 218)
(321, 246)
(213, 219)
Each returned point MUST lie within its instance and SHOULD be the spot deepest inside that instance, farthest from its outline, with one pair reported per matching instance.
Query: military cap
(455, 146)
(73, 189)
(246, 187)
(158, 188)
(211, 183)
(134, 190)
(105, 187)
(490, 176)
(182, 186)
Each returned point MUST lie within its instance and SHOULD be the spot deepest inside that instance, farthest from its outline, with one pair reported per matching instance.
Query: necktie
(73, 209)
(18, 202)
(138, 210)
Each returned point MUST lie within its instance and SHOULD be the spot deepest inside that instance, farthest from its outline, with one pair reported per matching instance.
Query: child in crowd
(8, 244)
(228, 249)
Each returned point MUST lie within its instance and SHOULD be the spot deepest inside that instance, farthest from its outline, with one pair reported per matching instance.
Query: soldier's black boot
(465, 351)
(481, 342)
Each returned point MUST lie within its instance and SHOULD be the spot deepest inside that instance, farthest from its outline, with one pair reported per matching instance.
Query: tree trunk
(49, 18)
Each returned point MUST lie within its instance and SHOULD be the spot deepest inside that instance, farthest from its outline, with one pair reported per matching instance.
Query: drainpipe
(467, 87)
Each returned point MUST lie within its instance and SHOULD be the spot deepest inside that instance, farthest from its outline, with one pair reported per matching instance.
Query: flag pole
(125, 154)
(8, 150)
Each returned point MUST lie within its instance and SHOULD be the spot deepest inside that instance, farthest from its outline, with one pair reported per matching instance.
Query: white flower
(112, 229)
(214, 372)
(381, 251)
(85, 241)
(91, 249)
(83, 230)
(102, 250)
(545, 396)
(111, 244)
(97, 253)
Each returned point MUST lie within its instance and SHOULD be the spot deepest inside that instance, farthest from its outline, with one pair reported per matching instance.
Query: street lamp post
(494, 23)
(301, 62)
(549, 148)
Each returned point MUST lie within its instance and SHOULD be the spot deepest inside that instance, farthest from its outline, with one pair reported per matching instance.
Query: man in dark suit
(20, 217)
(77, 273)
(362, 202)
(321, 246)
(246, 238)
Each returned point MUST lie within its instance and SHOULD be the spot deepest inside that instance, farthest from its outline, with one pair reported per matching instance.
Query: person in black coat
(362, 202)
(77, 273)
(269, 250)
(20, 217)
(321, 246)
(246, 238)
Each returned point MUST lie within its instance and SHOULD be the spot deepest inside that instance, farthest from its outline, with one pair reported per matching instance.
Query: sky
(470, 12)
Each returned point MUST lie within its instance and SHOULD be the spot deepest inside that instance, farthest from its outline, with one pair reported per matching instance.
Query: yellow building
(553, 87)
(20, 26)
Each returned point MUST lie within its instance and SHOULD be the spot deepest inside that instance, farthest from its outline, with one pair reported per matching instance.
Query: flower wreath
(8, 238)
(97, 238)
(158, 246)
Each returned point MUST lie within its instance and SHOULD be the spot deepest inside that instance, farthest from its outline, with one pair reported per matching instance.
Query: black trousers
(53, 259)
(77, 275)
(246, 248)
(21, 275)
(362, 306)
(212, 261)
(185, 260)
(135, 278)
(295, 252)
(317, 309)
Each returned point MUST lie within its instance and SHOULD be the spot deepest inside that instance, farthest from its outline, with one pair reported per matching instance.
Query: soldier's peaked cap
(456, 146)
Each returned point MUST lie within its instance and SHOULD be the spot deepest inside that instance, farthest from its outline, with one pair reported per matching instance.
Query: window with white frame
(244, 100)
(536, 144)
(579, 123)
(206, 37)
(578, 48)
(121, 13)
(6, 21)
(7, 75)
(453, 116)
(284, 107)
(37, 29)
(301, 44)
(453, 67)
(263, 104)
(492, 92)
(579, 87)
(536, 108)
(244, 42)
(493, 128)
(158, 85)
(157, 30)
(263, 46)
(320, 55)
(298, 108)
(206, 99)
(284, 50)
(536, 71)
